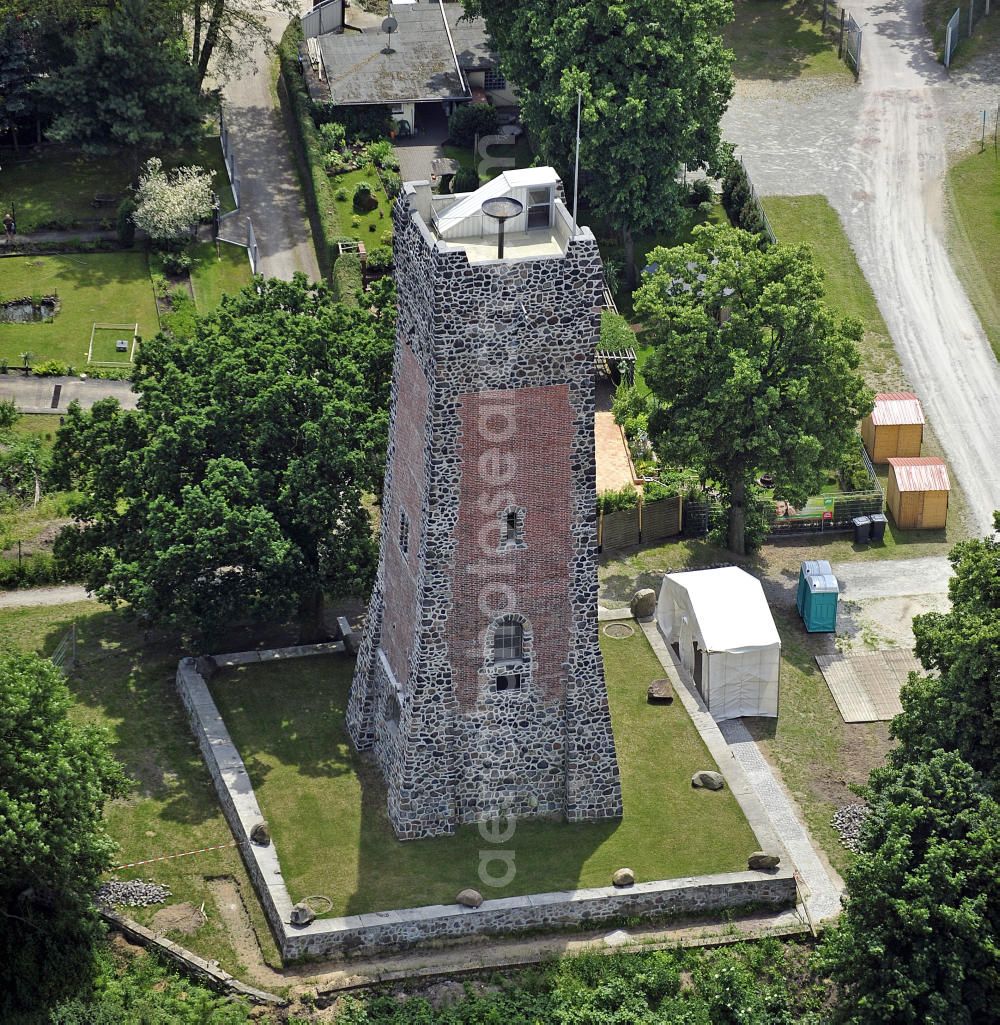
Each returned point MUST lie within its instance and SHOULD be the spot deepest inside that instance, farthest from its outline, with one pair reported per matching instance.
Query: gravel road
(43, 596)
(878, 151)
(891, 579)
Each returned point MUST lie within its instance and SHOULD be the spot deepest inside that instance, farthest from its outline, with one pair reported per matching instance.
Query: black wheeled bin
(878, 526)
(862, 529)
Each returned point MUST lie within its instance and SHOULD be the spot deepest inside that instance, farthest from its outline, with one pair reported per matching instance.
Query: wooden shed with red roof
(918, 492)
(895, 427)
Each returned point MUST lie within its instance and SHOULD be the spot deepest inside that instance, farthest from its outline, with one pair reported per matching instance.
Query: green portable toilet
(819, 607)
(813, 568)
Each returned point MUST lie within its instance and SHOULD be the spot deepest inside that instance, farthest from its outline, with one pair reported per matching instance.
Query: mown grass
(780, 39)
(127, 686)
(215, 274)
(54, 188)
(326, 805)
(107, 287)
(366, 226)
(974, 192)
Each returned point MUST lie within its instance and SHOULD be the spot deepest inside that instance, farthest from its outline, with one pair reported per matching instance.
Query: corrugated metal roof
(920, 473)
(897, 407)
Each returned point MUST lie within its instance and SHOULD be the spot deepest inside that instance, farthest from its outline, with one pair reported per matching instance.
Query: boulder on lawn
(302, 914)
(762, 860)
(624, 877)
(708, 780)
(643, 603)
(260, 834)
(659, 692)
(469, 898)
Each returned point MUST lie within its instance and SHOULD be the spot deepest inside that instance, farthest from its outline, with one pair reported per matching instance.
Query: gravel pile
(848, 820)
(132, 893)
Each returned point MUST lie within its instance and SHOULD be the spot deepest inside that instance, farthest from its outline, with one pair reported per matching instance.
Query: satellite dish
(389, 25)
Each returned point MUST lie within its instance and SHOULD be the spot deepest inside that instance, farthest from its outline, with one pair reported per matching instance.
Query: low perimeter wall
(397, 930)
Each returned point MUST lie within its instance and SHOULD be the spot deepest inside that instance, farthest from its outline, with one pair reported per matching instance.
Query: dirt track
(879, 151)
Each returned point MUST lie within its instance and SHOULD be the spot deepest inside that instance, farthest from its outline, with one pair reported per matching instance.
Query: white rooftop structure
(543, 228)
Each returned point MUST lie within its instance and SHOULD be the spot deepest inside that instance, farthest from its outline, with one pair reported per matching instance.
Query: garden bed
(326, 805)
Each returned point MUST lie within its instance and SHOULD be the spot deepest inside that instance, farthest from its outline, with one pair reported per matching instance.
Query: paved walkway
(270, 194)
(878, 151)
(39, 394)
(614, 471)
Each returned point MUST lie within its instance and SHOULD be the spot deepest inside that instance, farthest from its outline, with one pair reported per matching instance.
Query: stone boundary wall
(191, 964)
(385, 931)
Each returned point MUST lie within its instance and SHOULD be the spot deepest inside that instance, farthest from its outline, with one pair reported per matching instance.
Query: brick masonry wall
(520, 334)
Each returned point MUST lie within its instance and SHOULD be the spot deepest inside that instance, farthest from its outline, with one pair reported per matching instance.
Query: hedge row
(296, 107)
(36, 570)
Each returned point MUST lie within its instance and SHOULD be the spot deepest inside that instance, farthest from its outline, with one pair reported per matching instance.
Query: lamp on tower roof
(502, 209)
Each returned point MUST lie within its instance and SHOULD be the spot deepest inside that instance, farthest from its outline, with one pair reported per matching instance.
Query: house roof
(920, 473)
(421, 66)
(897, 407)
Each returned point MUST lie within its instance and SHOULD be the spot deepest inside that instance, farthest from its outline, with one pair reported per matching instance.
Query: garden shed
(895, 427)
(918, 492)
(719, 624)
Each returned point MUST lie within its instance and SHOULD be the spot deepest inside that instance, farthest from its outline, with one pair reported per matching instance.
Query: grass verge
(215, 274)
(780, 39)
(974, 195)
(326, 805)
(105, 287)
(128, 687)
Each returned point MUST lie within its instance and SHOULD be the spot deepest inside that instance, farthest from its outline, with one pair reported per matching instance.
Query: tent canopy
(720, 626)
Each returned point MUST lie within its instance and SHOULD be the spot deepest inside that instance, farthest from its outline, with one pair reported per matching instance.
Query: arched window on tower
(508, 654)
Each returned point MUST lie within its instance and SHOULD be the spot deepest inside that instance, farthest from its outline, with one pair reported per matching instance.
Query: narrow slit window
(404, 532)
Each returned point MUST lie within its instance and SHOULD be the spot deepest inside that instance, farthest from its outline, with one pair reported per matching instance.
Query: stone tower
(479, 683)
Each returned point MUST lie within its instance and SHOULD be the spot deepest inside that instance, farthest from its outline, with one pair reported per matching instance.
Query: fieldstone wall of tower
(480, 335)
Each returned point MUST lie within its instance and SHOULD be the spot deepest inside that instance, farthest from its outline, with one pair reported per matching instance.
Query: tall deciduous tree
(918, 941)
(16, 73)
(655, 79)
(958, 707)
(55, 777)
(237, 490)
(751, 373)
(129, 86)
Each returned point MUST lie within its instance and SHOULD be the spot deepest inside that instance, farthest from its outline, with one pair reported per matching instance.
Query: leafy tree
(237, 489)
(21, 460)
(655, 79)
(128, 86)
(16, 74)
(918, 941)
(751, 372)
(55, 777)
(170, 204)
(958, 708)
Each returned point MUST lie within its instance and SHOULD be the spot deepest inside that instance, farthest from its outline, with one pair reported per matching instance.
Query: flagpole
(576, 168)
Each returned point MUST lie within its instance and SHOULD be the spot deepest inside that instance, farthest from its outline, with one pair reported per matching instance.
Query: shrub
(615, 331)
(706, 208)
(380, 258)
(49, 368)
(334, 136)
(125, 225)
(372, 227)
(392, 183)
(366, 123)
(615, 501)
(363, 198)
(472, 119)
(175, 263)
(465, 180)
(355, 221)
(341, 195)
(170, 203)
(700, 191)
(382, 154)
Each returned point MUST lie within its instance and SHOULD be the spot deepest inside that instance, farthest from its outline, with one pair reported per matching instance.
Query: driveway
(878, 151)
(271, 196)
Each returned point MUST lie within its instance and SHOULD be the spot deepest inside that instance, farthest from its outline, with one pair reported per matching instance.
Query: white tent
(718, 623)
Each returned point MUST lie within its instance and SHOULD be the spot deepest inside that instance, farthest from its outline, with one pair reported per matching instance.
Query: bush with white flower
(169, 204)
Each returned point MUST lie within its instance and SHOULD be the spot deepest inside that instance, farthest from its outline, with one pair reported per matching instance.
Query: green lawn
(55, 190)
(781, 39)
(974, 191)
(326, 806)
(110, 288)
(128, 687)
(372, 224)
(215, 275)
